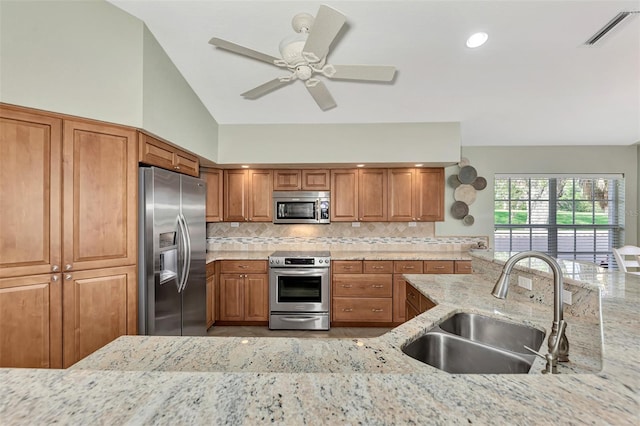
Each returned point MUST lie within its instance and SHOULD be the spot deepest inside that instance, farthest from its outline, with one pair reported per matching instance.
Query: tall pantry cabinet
(68, 237)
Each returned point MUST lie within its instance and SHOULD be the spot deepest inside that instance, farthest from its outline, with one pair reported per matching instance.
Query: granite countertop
(141, 379)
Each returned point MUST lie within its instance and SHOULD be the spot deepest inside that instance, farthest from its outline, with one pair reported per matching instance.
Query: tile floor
(335, 332)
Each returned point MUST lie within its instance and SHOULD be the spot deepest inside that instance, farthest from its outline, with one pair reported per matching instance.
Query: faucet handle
(535, 352)
(562, 326)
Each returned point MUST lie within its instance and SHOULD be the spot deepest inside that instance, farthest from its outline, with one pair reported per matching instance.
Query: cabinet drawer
(244, 266)
(407, 266)
(463, 267)
(363, 285)
(362, 309)
(438, 267)
(425, 303)
(378, 266)
(346, 267)
(413, 297)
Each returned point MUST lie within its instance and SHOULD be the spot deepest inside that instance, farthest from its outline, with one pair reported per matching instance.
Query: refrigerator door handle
(187, 254)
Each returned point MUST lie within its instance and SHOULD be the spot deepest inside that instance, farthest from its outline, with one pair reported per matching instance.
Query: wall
(637, 211)
(78, 58)
(549, 159)
(167, 101)
(91, 59)
(434, 143)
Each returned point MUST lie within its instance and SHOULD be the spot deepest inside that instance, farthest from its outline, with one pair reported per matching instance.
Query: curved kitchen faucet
(558, 343)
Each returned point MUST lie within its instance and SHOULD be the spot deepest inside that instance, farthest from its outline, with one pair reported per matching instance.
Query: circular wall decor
(459, 209)
(467, 174)
(465, 193)
(465, 185)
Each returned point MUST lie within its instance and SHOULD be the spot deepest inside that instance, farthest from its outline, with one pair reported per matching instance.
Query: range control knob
(320, 261)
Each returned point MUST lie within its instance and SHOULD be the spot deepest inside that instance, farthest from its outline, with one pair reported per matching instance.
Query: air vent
(608, 27)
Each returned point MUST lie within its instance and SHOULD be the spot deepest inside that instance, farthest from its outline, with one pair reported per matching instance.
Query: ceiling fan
(305, 56)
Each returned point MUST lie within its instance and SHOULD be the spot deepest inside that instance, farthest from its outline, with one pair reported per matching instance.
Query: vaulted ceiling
(534, 82)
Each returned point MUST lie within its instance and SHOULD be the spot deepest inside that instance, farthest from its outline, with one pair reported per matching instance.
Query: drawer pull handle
(438, 267)
(408, 267)
(378, 267)
(377, 310)
(243, 266)
(377, 285)
(347, 285)
(411, 295)
(347, 310)
(348, 267)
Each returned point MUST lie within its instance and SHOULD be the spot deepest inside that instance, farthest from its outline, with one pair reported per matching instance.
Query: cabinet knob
(55, 268)
(68, 277)
(54, 278)
(68, 267)
(177, 167)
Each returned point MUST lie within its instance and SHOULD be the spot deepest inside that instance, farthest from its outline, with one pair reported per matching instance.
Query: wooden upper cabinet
(214, 180)
(429, 195)
(31, 322)
(100, 196)
(305, 180)
(316, 180)
(99, 306)
(155, 152)
(401, 194)
(344, 195)
(260, 189)
(416, 195)
(372, 191)
(286, 180)
(247, 195)
(30, 193)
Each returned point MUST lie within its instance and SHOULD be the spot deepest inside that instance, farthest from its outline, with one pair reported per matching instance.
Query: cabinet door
(99, 306)
(260, 189)
(235, 195)
(256, 297)
(344, 195)
(155, 152)
(429, 195)
(211, 293)
(31, 322)
(30, 193)
(186, 163)
(401, 194)
(231, 297)
(372, 190)
(286, 180)
(316, 180)
(214, 179)
(99, 196)
(399, 299)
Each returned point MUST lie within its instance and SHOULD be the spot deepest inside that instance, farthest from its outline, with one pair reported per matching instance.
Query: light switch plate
(566, 297)
(355, 224)
(413, 224)
(235, 224)
(525, 283)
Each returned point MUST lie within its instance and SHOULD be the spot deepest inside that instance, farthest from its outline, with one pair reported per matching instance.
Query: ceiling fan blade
(265, 88)
(322, 96)
(326, 26)
(241, 50)
(363, 72)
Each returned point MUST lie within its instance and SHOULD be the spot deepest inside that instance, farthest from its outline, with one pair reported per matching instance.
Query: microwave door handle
(318, 204)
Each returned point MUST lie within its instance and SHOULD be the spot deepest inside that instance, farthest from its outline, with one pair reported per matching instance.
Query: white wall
(78, 58)
(91, 59)
(171, 109)
(339, 143)
(549, 159)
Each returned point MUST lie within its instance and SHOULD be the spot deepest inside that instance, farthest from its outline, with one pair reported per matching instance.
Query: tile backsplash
(381, 236)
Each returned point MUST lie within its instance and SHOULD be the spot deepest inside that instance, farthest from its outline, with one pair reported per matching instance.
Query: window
(567, 217)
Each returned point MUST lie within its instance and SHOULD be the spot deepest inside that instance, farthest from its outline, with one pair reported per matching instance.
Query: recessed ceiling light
(360, 165)
(477, 40)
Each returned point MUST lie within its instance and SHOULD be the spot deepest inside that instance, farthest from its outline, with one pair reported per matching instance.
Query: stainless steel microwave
(301, 207)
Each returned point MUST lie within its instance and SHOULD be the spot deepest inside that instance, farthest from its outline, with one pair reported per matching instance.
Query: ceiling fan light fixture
(477, 40)
(291, 48)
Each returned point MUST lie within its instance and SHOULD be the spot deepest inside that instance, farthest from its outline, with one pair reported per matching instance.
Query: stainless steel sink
(454, 354)
(494, 332)
(472, 343)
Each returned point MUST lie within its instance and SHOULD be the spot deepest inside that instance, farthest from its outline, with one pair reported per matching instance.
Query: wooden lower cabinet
(417, 303)
(31, 322)
(99, 306)
(243, 297)
(399, 298)
(211, 294)
(362, 309)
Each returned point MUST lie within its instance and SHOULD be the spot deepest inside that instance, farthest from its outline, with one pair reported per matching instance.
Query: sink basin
(494, 332)
(454, 354)
(473, 343)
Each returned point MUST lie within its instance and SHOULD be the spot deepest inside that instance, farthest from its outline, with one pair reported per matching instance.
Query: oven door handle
(301, 271)
(299, 319)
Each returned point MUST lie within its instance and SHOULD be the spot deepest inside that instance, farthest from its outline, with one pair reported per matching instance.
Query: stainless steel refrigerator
(172, 254)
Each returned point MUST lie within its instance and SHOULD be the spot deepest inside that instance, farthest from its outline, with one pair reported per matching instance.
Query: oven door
(299, 290)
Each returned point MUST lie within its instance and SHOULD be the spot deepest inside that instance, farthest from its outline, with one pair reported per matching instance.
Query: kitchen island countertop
(202, 380)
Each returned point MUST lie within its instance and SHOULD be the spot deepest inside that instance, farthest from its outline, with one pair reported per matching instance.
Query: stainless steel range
(299, 290)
